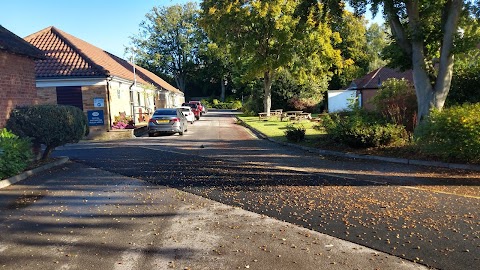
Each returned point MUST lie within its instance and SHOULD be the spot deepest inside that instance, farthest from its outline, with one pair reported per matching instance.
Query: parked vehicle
(169, 120)
(196, 110)
(187, 111)
(202, 108)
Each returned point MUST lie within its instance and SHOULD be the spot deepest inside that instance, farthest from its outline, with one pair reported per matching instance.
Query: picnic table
(264, 115)
(276, 112)
(293, 115)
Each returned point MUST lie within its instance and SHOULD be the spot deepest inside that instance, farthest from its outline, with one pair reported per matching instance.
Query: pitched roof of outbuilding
(14, 44)
(374, 79)
(69, 56)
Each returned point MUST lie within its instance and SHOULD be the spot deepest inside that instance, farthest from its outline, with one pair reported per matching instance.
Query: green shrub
(234, 105)
(363, 130)
(15, 154)
(452, 134)
(51, 125)
(295, 132)
(206, 103)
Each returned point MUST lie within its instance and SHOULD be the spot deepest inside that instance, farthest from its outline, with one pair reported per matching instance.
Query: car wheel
(151, 134)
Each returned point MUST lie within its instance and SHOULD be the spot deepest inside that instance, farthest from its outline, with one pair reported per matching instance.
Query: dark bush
(304, 104)
(363, 130)
(452, 134)
(396, 101)
(50, 125)
(252, 106)
(295, 132)
(15, 154)
(466, 80)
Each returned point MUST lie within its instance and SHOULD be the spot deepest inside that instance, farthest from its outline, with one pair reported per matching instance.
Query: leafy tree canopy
(353, 48)
(169, 41)
(265, 36)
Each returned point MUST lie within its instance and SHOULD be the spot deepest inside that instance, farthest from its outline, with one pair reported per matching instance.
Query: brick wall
(88, 94)
(46, 95)
(17, 83)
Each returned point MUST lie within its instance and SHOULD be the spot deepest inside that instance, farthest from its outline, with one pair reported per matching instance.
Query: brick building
(17, 73)
(103, 85)
(368, 85)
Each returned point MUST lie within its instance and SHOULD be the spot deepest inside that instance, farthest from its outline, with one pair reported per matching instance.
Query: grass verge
(275, 129)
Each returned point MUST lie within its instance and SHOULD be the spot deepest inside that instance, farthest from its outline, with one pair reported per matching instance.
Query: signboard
(95, 118)
(98, 102)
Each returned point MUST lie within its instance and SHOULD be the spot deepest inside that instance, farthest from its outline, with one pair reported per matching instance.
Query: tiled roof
(14, 44)
(374, 79)
(69, 56)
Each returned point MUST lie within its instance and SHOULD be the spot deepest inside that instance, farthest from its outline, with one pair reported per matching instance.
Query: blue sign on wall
(95, 118)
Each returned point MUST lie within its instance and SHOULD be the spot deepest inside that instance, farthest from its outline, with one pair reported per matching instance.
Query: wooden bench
(305, 116)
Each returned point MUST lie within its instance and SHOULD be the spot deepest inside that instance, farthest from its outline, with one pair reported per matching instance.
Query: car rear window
(165, 112)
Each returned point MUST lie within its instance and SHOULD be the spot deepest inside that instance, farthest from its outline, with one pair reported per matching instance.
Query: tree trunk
(222, 86)
(423, 86)
(37, 151)
(451, 16)
(267, 99)
(46, 153)
(180, 81)
(433, 94)
(421, 80)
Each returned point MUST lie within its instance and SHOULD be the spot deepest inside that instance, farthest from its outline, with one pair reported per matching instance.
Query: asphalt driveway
(436, 229)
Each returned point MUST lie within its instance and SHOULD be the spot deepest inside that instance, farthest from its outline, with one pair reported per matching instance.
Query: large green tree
(353, 47)
(265, 36)
(169, 40)
(217, 61)
(428, 35)
(377, 39)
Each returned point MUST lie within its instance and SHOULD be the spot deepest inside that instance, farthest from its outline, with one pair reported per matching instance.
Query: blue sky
(107, 24)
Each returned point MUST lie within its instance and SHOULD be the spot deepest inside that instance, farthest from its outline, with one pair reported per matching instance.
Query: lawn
(316, 138)
(275, 129)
